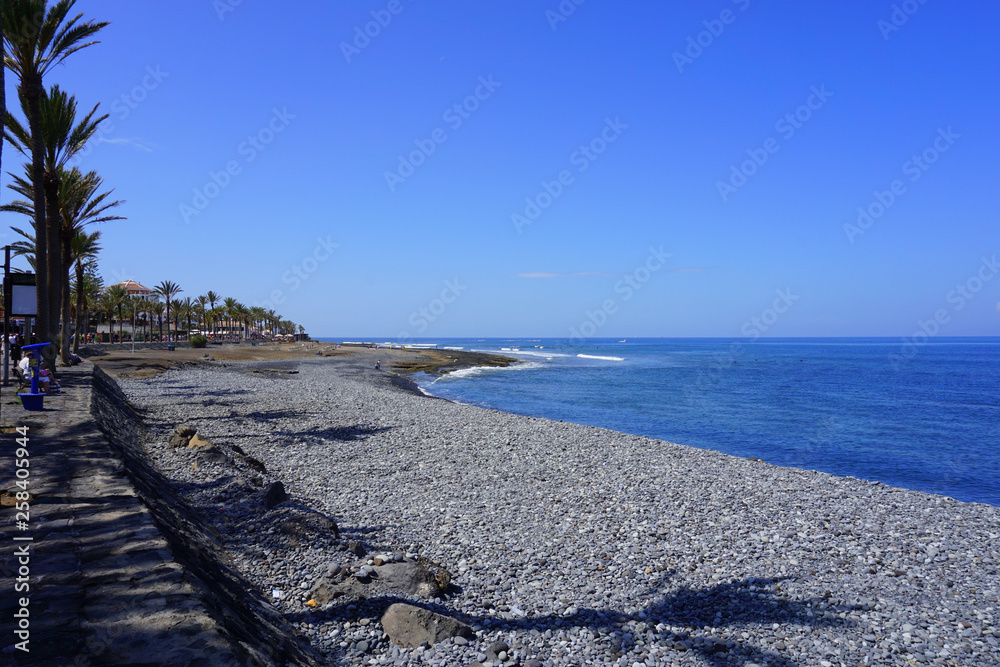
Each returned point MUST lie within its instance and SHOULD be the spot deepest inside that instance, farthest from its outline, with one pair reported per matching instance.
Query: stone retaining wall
(268, 639)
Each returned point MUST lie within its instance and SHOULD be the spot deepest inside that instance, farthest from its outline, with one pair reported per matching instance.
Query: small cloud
(125, 142)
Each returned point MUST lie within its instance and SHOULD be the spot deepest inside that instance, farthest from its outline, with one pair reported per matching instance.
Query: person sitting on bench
(25, 366)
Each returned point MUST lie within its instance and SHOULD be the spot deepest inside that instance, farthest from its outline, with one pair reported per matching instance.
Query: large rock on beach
(181, 436)
(408, 577)
(197, 441)
(412, 626)
(309, 526)
(275, 495)
(326, 589)
(390, 578)
(254, 463)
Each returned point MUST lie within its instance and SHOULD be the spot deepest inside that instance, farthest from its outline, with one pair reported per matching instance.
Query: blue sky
(697, 170)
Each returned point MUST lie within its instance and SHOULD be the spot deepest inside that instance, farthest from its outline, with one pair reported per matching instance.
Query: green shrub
(199, 341)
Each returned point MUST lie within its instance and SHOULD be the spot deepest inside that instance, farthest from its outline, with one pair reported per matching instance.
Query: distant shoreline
(148, 359)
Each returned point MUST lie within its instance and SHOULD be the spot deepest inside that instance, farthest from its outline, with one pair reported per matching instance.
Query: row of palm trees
(116, 305)
(59, 201)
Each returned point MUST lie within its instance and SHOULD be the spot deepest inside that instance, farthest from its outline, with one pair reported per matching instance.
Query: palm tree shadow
(751, 601)
(340, 433)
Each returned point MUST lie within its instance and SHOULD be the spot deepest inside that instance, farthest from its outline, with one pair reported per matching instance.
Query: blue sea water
(922, 417)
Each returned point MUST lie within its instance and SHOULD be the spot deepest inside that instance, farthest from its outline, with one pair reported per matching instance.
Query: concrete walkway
(104, 586)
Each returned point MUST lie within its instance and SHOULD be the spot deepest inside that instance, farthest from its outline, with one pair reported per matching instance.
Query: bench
(23, 382)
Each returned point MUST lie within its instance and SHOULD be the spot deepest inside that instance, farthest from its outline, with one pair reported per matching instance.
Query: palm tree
(78, 206)
(242, 314)
(62, 137)
(230, 306)
(86, 294)
(272, 321)
(210, 320)
(257, 313)
(38, 39)
(176, 306)
(25, 248)
(135, 305)
(156, 308)
(106, 306)
(141, 306)
(212, 298)
(148, 317)
(199, 317)
(3, 83)
(118, 296)
(202, 302)
(167, 290)
(83, 252)
(188, 309)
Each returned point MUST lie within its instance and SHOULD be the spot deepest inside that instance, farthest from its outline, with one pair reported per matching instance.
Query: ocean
(923, 415)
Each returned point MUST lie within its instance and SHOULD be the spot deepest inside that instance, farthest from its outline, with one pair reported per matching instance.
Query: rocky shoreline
(554, 543)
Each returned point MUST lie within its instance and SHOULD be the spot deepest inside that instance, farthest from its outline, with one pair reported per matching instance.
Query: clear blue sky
(329, 122)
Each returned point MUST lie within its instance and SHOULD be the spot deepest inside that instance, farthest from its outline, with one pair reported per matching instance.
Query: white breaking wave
(594, 356)
(532, 353)
(473, 371)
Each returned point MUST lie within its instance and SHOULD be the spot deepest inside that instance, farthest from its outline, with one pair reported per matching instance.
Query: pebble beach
(563, 544)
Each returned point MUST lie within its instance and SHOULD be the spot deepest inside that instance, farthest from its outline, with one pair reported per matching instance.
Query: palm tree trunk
(80, 300)
(64, 352)
(53, 244)
(3, 86)
(33, 92)
(65, 297)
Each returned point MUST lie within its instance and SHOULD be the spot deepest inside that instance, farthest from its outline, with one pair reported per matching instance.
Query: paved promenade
(103, 585)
